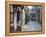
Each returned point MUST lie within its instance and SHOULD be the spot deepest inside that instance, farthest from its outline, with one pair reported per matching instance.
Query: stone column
(23, 18)
(15, 21)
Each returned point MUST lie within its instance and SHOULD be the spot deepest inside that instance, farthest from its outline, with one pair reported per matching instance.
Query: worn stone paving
(31, 26)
